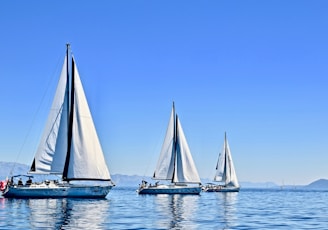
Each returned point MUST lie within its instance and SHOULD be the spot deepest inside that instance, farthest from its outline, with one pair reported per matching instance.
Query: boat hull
(220, 189)
(65, 191)
(170, 189)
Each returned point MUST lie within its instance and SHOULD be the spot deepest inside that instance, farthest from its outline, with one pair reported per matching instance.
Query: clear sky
(255, 69)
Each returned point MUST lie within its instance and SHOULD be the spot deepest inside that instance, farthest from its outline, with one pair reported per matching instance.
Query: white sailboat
(175, 164)
(69, 147)
(225, 172)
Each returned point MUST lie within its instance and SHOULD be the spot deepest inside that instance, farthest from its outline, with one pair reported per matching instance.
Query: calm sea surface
(125, 209)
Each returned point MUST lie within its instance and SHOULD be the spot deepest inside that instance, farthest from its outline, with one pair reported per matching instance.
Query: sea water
(123, 208)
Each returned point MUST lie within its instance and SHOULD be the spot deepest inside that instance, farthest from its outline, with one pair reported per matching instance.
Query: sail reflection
(176, 211)
(227, 212)
(68, 213)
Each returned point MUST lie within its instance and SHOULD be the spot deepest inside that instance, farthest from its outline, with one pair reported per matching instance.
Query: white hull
(169, 189)
(57, 191)
(220, 188)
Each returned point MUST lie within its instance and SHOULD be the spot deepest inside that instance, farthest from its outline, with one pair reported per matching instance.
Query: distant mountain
(125, 180)
(258, 185)
(318, 184)
(129, 181)
(135, 180)
(14, 168)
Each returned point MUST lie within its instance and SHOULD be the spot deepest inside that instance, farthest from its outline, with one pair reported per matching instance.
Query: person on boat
(144, 183)
(29, 181)
(3, 185)
(20, 182)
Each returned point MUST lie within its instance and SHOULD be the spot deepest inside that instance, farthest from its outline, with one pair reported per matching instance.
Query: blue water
(125, 209)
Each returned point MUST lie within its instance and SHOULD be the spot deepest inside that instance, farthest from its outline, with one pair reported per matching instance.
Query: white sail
(86, 155)
(51, 153)
(165, 166)
(69, 146)
(232, 179)
(219, 170)
(220, 174)
(185, 167)
(175, 162)
(225, 170)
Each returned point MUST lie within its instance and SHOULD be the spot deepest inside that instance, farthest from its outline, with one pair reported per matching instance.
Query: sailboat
(225, 172)
(69, 147)
(175, 164)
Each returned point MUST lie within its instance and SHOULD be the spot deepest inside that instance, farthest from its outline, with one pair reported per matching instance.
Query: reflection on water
(176, 211)
(55, 213)
(210, 210)
(125, 209)
(227, 208)
(218, 210)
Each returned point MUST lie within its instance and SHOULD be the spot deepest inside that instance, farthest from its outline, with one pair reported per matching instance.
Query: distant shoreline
(133, 180)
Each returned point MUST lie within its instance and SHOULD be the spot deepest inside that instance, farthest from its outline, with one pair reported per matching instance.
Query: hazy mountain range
(135, 180)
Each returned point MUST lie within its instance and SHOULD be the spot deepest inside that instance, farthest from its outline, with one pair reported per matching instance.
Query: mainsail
(175, 161)
(225, 170)
(69, 144)
(86, 159)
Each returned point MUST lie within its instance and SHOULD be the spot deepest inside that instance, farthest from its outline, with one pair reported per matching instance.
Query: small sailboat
(225, 172)
(175, 164)
(69, 147)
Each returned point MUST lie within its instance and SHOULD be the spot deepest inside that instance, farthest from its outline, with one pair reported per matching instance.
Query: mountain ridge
(134, 180)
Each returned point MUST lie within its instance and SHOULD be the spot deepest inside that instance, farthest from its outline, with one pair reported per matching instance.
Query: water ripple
(125, 209)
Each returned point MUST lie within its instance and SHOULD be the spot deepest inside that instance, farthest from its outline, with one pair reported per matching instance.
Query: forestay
(52, 150)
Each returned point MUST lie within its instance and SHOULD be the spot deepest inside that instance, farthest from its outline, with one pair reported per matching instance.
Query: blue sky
(255, 69)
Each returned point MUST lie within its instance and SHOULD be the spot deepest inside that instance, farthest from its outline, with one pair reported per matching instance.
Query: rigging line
(156, 148)
(150, 159)
(35, 115)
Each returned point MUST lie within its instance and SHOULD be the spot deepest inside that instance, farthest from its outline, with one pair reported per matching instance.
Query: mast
(70, 111)
(174, 147)
(225, 156)
(67, 78)
(174, 128)
(165, 164)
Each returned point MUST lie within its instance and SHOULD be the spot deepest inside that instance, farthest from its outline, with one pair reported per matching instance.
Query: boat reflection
(67, 213)
(227, 210)
(2, 202)
(176, 211)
